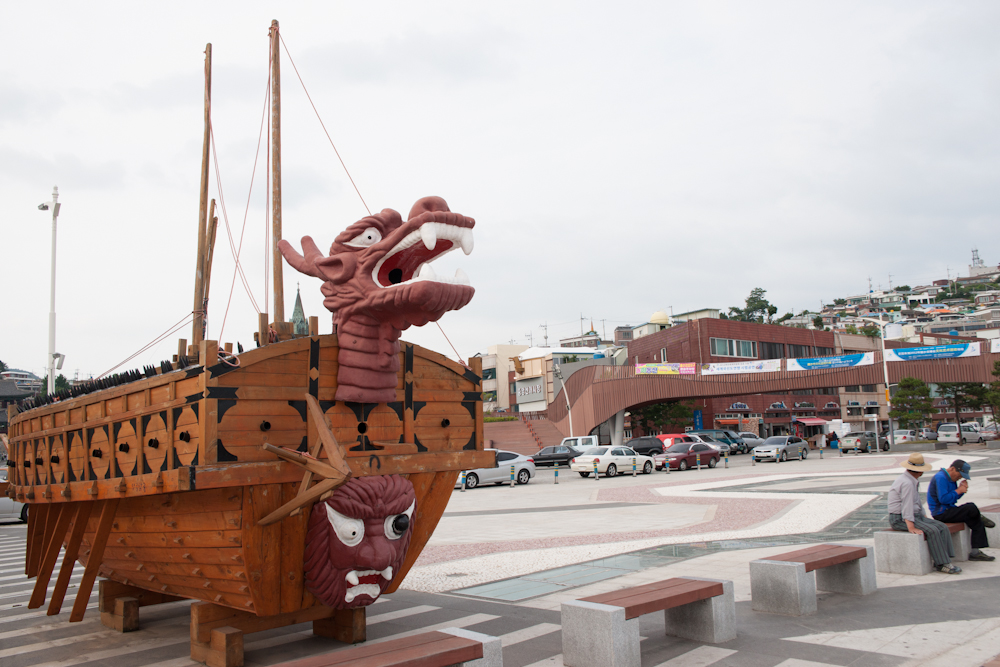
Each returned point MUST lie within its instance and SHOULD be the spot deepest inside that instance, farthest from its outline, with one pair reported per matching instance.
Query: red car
(683, 455)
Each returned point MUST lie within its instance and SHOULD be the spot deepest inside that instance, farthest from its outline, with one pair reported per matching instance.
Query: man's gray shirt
(904, 498)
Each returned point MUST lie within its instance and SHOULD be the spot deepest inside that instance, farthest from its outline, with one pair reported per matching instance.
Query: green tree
(903, 288)
(840, 302)
(818, 321)
(960, 395)
(664, 416)
(912, 403)
(992, 397)
(757, 308)
(61, 383)
(3, 367)
(872, 331)
(851, 329)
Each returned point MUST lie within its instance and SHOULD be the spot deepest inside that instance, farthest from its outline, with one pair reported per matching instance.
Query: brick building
(719, 341)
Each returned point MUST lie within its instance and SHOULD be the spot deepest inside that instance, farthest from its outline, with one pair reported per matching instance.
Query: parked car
(580, 443)
(731, 438)
(950, 433)
(524, 470)
(9, 508)
(781, 448)
(684, 455)
(647, 444)
(751, 440)
(722, 447)
(610, 461)
(904, 436)
(555, 456)
(863, 441)
(673, 438)
(927, 434)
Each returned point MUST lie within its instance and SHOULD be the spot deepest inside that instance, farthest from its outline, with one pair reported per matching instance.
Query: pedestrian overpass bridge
(598, 393)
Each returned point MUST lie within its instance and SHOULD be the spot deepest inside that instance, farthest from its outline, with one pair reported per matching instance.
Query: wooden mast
(279, 285)
(198, 332)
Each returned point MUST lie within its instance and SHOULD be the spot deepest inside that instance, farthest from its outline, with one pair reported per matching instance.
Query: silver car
(10, 509)
(751, 439)
(524, 470)
(780, 448)
(718, 445)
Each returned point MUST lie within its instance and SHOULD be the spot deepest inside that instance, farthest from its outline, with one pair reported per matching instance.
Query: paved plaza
(502, 561)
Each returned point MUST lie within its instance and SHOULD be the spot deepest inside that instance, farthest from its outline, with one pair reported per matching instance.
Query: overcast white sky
(619, 158)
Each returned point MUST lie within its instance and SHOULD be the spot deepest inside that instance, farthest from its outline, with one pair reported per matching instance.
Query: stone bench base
(784, 587)
(598, 635)
(993, 534)
(905, 553)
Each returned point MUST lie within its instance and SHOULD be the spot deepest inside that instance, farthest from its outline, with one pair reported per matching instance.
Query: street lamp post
(51, 365)
(885, 374)
(556, 371)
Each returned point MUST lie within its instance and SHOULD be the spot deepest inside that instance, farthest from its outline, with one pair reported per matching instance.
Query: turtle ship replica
(294, 482)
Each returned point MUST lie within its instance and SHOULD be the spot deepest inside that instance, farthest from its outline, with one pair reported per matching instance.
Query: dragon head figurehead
(377, 281)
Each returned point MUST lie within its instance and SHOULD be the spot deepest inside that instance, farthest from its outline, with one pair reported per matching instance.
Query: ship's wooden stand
(158, 485)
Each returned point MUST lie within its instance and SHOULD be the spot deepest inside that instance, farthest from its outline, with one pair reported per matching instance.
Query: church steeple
(298, 316)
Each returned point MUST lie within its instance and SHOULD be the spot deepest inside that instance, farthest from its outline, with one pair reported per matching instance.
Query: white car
(904, 436)
(610, 461)
(10, 509)
(524, 470)
(949, 433)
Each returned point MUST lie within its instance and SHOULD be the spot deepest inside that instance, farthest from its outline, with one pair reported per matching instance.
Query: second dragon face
(357, 539)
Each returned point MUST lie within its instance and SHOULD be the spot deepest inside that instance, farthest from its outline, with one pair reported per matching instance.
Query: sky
(619, 158)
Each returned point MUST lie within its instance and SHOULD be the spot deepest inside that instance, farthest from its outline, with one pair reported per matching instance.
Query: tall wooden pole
(199, 277)
(279, 285)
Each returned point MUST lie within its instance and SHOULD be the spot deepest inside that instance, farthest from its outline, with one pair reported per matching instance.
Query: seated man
(943, 493)
(906, 513)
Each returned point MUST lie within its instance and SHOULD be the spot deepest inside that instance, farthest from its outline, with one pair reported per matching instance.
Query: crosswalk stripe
(524, 635)
(32, 614)
(131, 647)
(402, 613)
(699, 657)
(52, 643)
(31, 582)
(463, 622)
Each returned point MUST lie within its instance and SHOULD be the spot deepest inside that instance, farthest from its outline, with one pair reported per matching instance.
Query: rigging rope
(187, 319)
(309, 97)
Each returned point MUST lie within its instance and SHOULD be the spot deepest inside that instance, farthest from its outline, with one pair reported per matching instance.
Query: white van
(950, 433)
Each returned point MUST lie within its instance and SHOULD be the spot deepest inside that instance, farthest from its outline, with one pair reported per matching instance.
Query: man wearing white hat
(906, 513)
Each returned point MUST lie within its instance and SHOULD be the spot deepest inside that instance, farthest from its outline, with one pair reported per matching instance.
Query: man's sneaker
(981, 556)
(989, 523)
(948, 568)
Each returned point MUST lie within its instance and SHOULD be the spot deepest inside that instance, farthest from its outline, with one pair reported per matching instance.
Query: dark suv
(735, 442)
(647, 445)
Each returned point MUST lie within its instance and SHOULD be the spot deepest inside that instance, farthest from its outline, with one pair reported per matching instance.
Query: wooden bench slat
(611, 597)
(823, 555)
(792, 555)
(425, 649)
(658, 596)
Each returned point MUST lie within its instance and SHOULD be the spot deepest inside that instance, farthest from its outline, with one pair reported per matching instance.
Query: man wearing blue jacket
(943, 493)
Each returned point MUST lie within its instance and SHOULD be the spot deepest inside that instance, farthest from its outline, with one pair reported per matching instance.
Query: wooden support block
(124, 615)
(346, 625)
(227, 648)
(313, 325)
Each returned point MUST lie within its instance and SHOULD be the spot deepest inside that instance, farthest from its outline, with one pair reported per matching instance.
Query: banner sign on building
(995, 346)
(698, 423)
(530, 390)
(764, 366)
(933, 352)
(840, 361)
(739, 407)
(665, 369)
(831, 406)
(780, 405)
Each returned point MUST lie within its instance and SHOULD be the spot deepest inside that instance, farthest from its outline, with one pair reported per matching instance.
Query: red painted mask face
(357, 539)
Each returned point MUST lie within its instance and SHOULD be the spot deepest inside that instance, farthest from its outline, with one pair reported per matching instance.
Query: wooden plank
(664, 586)
(37, 516)
(203, 500)
(822, 556)
(234, 572)
(107, 514)
(410, 651)
(262, 547)
(180, 555)
(638, 604)
(109, 591)
(346, 625)
(180, 539)
(63, 515)
(69, 558)
(293, 539)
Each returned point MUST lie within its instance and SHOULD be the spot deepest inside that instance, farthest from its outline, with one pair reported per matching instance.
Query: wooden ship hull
(159, 484)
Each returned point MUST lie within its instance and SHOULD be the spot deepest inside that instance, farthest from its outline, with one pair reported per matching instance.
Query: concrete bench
(603, 630)
(902, 552)
(783, 584)
(992, 534)
(994, 483)
(451, 646)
